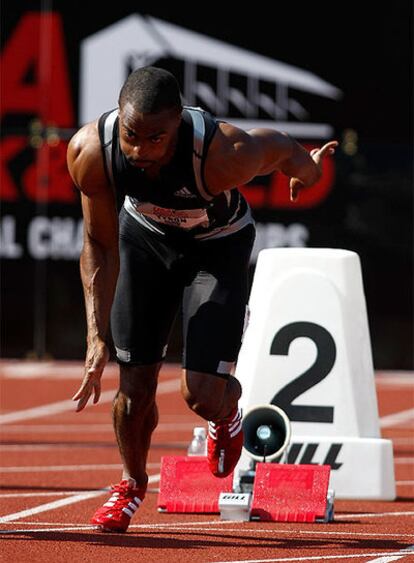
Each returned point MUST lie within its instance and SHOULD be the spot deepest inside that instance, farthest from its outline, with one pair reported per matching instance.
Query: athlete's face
(147, 139)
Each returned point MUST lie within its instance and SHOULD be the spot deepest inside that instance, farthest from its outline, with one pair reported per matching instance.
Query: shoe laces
(123, 488)
(124, 495)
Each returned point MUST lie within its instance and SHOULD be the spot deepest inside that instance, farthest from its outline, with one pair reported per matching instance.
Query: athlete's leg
(211, 396)
(215, 399)
(135, 417)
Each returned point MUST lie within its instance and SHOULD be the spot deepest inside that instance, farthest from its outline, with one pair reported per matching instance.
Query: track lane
(361, 529)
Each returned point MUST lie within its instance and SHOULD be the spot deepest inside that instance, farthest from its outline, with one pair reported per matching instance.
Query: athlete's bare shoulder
(85, 161)
(233, 158)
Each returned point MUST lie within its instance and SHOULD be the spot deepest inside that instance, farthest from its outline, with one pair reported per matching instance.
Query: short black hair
(150, 90)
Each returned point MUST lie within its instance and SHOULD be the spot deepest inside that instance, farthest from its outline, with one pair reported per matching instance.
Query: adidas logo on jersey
(184, 192)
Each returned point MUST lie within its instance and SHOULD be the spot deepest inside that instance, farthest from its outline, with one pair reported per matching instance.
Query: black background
(365, 51)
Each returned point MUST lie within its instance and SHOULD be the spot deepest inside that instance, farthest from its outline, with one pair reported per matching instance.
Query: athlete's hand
(317, 155)
(96, 360)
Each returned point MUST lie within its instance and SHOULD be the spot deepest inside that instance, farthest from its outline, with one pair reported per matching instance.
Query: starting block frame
(280, 493)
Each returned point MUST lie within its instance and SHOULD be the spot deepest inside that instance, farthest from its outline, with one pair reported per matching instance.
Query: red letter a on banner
(34, 77)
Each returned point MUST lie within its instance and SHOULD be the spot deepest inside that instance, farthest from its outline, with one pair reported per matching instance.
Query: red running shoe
(224, 444)
(115, 515)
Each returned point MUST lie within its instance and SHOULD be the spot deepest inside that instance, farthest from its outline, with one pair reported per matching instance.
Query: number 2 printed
(325, 359)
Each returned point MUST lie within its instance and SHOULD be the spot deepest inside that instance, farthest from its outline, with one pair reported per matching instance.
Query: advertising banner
(61, 70)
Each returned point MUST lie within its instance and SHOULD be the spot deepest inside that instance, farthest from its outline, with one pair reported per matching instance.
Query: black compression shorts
(158, 273)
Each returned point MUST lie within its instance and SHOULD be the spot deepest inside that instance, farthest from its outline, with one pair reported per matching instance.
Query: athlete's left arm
(236, 156)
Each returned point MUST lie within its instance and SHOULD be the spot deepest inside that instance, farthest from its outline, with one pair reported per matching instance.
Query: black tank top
(178, 198)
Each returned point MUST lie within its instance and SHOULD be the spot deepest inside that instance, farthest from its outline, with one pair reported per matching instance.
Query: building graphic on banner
(225, 79)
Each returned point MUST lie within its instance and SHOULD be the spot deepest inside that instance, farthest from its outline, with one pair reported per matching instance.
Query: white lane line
(387, 559)
(60, 524)
(46, 448)
(34, 370)
(48, 410)
(404, 482)
(43, 494)
(51, 468)
(396, 418)
(59, 503)
(407, 441)
(400, 554)
(49, 506)
(69, 405)
(59, 428)
(84, 428)
(373, 515)
(80, 445)
(62, 370)
(400, 384)
(59, 375)
(404, 460)
(43, 530)
(395, 378)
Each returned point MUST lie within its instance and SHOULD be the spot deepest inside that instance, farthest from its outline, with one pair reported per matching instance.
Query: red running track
(54, 461)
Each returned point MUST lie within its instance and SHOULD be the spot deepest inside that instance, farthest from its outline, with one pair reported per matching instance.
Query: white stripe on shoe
(237, 416)
(236, 430)
(234, 426)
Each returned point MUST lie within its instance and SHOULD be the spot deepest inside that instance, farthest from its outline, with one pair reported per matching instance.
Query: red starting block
(291, 493)
(187, 485)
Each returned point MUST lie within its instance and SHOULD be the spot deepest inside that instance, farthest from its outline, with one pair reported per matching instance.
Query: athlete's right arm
(99, 261)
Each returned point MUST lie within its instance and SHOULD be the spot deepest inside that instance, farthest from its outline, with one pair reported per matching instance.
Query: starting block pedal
(292, 493)
(188, 486)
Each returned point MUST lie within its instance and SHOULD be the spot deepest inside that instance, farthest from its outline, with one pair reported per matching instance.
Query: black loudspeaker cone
(268, 439)
(266, 430)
